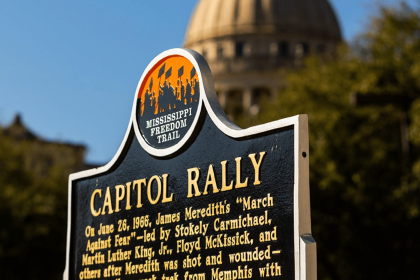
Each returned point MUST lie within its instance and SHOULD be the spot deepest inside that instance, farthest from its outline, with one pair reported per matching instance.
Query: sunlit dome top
(218, 18)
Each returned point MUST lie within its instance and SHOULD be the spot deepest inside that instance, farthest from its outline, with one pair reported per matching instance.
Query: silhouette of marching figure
(155, 99)
(164, 93)
(196, 87)
(148, 94)
(161, 92)
(176, 93)
(171, 95)
(178, 90)
(182, 93)
(187, 92)
(168, 94)
(180, 73)
(143, 101)
(146, 109)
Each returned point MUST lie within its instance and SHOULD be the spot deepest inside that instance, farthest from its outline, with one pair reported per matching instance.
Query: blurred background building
(50, 153)
(250, 44)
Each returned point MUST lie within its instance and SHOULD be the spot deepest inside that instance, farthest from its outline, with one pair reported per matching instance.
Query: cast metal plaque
(189, 195)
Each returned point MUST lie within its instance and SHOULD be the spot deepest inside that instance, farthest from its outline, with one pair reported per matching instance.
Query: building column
(247, 99)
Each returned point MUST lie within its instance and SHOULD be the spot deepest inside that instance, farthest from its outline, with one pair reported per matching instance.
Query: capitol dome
(249, 44)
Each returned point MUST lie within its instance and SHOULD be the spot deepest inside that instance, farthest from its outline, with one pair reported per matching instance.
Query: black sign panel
(216, 202)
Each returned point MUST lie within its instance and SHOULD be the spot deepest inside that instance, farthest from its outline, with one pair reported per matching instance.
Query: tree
(33, 203)
(365, 202)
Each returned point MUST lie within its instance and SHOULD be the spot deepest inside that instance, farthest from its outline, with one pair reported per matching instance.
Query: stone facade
(251, 44)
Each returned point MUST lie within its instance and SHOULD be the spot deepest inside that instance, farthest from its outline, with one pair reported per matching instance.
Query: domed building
(250, 44)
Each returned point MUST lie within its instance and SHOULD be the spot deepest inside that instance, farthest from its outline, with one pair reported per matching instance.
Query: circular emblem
(168, 102)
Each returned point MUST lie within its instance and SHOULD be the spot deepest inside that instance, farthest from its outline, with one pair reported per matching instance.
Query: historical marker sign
(189, 195)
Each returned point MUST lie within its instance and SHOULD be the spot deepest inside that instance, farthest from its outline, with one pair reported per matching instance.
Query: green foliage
(33, 206)
(365, 201)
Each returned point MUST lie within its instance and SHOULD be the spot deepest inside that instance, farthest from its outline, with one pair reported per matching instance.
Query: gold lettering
(120, 193)
(165, 189)
(92, 203)
(224, 186)
(196, 276)
(128, 204)
(211, 180)
(192, 262)
(214, 260)
(90, 231)
(171, 265)
(193, 182)
(107, 203)
(238, 175)
(139, 183)
(257, 167)
(89, 274)
(149, 189)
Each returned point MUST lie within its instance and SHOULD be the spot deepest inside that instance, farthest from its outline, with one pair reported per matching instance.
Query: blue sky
(70, 68)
